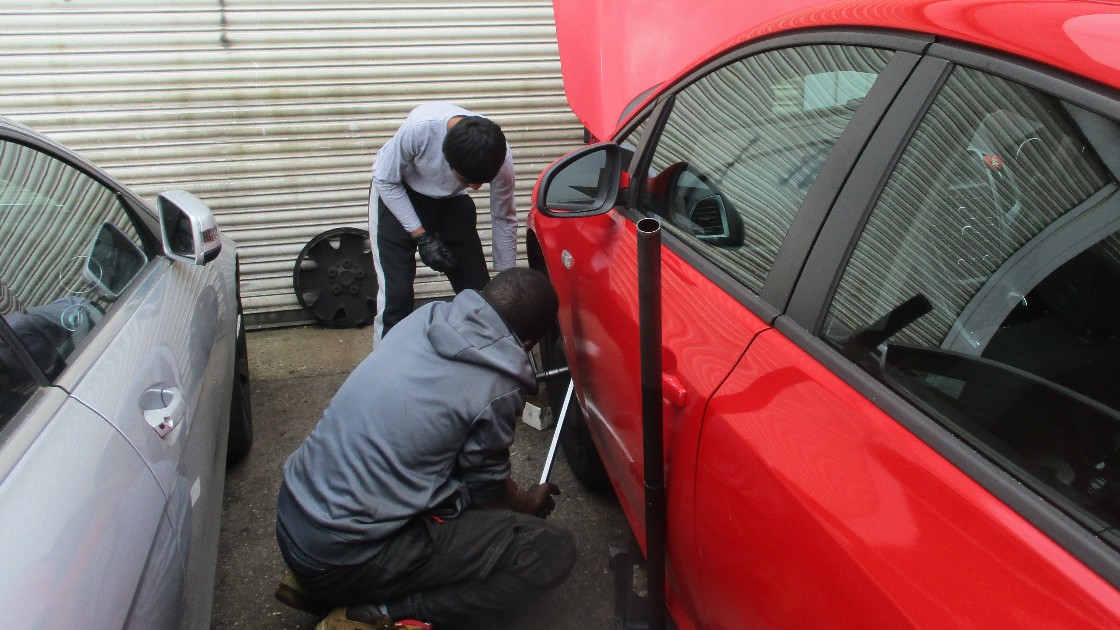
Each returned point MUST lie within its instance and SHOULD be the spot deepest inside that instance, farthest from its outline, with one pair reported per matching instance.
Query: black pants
(484, 560)
(451, 220)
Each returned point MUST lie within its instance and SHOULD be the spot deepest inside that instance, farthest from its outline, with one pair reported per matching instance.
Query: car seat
(8, 301)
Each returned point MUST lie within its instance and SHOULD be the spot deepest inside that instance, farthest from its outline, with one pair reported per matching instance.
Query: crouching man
(399, 506)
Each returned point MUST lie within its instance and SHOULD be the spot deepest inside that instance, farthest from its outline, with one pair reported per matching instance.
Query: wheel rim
(334, 279)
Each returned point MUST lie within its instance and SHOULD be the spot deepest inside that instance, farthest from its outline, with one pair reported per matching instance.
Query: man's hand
(434, 253)
(536, 501)
(539, 500)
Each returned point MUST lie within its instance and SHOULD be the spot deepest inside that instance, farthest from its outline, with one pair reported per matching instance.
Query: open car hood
(615, 51)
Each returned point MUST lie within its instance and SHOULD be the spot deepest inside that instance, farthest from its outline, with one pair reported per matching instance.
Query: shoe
(337, 620)
(291, 593)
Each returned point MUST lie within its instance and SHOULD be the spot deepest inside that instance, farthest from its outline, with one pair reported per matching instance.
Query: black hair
(526, 301)
(476, 149)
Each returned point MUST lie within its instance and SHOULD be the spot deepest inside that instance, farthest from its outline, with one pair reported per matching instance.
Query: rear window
(985, 286)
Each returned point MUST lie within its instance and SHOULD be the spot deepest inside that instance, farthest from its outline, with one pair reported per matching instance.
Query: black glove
(434, 253)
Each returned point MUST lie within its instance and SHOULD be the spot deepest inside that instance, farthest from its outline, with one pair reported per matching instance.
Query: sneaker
(337, 620)
(291, 593)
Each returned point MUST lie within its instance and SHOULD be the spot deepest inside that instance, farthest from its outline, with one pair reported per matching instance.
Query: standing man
(400, 505)
(418, 200)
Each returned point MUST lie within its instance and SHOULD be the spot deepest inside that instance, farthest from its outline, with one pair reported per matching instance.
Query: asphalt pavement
(294, 372)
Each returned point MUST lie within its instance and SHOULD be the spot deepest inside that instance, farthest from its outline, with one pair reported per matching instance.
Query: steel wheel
(334, 278)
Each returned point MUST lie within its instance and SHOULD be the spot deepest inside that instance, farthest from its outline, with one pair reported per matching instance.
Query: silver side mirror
(190, 232)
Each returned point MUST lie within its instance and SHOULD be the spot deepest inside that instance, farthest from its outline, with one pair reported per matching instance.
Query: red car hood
(613, 51)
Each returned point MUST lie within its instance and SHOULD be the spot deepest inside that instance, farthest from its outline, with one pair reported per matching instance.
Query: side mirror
(583, 183)
(190, 232)
(696, 203)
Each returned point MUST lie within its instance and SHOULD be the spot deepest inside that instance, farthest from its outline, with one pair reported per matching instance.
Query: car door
(141, 349)
(81, 512)
(925, 438)
(180, 370)
(737, 154)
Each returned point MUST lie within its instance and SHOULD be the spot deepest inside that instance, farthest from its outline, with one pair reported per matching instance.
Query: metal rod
(649, 347)
(553, 373)
(547, 472)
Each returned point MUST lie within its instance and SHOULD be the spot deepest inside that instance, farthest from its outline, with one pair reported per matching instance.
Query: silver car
(123, 376)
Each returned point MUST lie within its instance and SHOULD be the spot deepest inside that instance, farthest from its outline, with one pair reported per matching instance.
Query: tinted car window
(68, 250)
(985, 286)
(743, 145)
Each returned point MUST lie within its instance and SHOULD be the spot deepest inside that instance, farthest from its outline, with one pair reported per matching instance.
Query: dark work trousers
(440, 572)
(452, 221)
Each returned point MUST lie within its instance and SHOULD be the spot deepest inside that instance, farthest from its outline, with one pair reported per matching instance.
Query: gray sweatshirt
(414, 157)
(423, 424)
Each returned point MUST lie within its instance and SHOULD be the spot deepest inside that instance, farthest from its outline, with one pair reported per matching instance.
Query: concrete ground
(294, 373)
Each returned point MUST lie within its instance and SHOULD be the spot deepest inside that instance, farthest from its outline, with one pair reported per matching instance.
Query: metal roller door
(272, 110)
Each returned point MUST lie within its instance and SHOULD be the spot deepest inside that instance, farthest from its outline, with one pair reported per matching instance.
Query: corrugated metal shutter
(272, 110)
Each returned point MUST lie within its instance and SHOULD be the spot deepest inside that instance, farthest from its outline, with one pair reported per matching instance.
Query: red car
(890, 299)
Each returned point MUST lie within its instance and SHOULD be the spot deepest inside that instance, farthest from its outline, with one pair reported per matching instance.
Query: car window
(985, 286)
(743, 145)
(68, 250)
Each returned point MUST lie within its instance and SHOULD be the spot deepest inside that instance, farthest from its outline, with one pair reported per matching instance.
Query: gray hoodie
(422, 425)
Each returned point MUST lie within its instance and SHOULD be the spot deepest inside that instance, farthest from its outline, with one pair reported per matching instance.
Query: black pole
(649, 343)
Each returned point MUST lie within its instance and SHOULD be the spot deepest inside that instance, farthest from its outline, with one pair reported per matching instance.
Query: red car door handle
(672, 391)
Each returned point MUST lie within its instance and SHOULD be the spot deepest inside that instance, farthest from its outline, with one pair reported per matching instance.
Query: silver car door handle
(163, 409)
